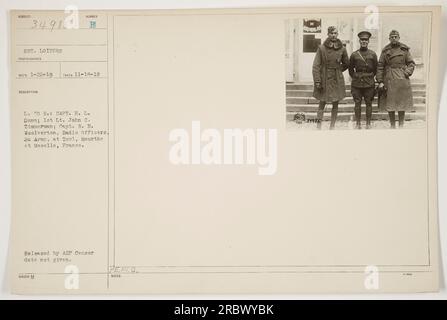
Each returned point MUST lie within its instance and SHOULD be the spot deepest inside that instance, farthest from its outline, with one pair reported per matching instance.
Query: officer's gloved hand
(407, 73)
(318, 85)
(381, 89)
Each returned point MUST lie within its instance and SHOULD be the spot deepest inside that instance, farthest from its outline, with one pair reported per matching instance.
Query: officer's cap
(394, 32)
(364, 35)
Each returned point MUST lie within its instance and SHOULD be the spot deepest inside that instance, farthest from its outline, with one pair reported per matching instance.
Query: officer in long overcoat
(393, 74)
(327, 71)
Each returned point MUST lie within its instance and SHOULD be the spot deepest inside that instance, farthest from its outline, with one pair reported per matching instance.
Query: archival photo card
(190, 151)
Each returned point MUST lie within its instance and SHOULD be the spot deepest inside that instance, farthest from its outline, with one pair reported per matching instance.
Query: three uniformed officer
(362, 69)
(392, 71)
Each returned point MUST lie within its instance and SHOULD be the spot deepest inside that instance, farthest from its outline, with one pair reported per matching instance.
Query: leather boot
(392, 115)
(401, 115)
(334, 113)
(369, 111)
(320, 113)
(358, 115)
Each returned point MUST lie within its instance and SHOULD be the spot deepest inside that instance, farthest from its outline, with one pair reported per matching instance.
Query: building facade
(303, 36)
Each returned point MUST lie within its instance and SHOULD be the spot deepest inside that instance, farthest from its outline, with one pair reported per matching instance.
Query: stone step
(309, 86)
(309, 93)
(341, 108)
(350, 116)
(347, 100)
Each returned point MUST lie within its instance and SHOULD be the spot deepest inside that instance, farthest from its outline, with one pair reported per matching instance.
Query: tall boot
(401, 115)
(392, 119)
(369, 110)
(358, 114)
(320, 113)
(334, 112)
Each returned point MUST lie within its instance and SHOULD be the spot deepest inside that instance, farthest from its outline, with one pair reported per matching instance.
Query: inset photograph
(357, 72)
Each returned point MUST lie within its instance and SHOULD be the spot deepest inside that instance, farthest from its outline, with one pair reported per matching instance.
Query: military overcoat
(327, 69)
(394, 69)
